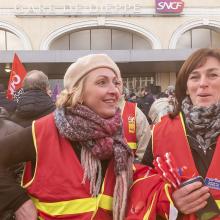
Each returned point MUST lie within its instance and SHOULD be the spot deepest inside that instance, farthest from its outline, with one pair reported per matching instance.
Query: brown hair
(195, 60)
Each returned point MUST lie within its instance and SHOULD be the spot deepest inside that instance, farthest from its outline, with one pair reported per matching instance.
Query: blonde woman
(79, 166)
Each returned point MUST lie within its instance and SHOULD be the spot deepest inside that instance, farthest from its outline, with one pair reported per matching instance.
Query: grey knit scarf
(203, 122)
(100, 139)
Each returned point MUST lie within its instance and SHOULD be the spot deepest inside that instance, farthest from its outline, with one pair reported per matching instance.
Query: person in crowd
(9, 105)
(192, 132)
(78, 163)
(7, 127)
(132, 97)
(136, 127)
(159, 108)
(35, 102)
(163, 105)
(145, 101)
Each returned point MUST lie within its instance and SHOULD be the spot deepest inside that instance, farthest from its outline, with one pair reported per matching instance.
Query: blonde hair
(71, 98)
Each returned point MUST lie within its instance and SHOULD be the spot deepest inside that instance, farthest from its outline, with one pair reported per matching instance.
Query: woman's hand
(26, 211)
(190, 198)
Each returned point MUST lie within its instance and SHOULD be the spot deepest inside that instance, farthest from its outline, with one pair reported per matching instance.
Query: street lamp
(7, 68)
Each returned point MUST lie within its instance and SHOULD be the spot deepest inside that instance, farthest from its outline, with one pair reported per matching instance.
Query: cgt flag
(17, 75)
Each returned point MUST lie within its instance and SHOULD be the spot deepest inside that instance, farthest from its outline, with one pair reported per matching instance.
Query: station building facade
(149, 40)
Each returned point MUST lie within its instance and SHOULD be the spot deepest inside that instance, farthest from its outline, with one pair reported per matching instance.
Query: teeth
(110, 101)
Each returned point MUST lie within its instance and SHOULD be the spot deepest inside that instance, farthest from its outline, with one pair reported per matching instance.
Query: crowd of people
(100, 154)
(152, 102)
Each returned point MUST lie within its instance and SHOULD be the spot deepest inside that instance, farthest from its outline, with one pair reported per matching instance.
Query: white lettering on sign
(77, 9)
(14, 82)
(169, 5)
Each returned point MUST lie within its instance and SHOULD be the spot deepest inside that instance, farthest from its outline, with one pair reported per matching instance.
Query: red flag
(17, 75)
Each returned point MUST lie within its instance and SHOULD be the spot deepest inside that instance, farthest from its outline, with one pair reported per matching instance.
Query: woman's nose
(203, 81)
(113, 88)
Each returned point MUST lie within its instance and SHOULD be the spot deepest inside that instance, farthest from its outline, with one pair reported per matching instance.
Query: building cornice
(135, 10)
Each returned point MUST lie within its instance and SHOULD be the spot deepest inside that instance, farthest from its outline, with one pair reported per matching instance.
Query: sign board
(169, 6)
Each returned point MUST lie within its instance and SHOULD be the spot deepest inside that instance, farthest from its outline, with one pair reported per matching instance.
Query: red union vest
(56, 188)
(129, 124)
(170, 136)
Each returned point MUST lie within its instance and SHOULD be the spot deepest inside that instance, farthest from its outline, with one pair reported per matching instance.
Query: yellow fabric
(36, 149)
(182, 121)
(76, 206)
(152, 140)
(167, 193)
(132, 145)
(146, 216)
(218, 203)
(142, 178)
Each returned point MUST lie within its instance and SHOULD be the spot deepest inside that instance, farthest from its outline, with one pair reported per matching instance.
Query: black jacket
(32, 104)
(10, 106)
(8, 127)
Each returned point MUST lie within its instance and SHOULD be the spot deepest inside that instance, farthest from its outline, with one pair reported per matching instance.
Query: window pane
(201, 38)
(121, 40)
(184, 41)
(134, 84)
(80, 40)
(101, 39)
(215, 39)
(140, 43)
(61, 43)
(13, 42)
(2, 40)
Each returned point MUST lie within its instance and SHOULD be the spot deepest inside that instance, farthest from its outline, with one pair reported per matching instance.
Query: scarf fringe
(123, 183)
(92, 171)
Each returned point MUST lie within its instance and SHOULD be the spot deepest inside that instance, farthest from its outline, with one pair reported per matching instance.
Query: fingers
(191, 197)
(185, 190)
(197, 204)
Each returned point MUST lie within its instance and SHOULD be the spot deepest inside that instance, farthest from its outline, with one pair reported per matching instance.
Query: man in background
(136, 127)
(35, 102)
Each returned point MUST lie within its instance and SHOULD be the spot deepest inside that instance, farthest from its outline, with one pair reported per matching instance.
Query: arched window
(9, 41)
(199, 38)
(101, 39)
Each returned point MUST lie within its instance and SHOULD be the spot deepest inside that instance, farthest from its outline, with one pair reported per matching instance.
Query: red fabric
(147, 193)
(59, 173)
(17, 75)
(169, 136)
(129, 121)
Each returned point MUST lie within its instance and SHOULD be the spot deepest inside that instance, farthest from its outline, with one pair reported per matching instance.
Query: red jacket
(170, 136)
(56, 187)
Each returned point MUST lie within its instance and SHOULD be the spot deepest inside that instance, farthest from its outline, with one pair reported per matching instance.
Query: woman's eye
(213, 75)
(101, 82)
(193, 77)
(117, 83)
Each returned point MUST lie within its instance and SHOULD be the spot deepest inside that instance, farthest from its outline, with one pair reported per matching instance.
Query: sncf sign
(169, 6)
